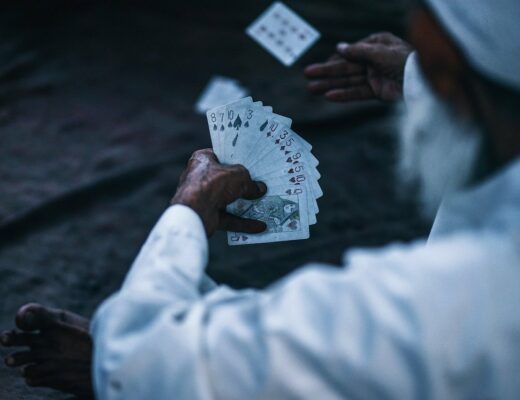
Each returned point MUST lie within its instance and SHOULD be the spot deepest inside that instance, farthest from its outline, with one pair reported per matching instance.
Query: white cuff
(177, 244)
(414, 84)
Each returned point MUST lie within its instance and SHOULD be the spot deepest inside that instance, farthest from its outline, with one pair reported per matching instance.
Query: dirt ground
(97, 122)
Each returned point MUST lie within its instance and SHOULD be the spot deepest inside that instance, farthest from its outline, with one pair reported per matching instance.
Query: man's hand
(372, 68)
(208, 187)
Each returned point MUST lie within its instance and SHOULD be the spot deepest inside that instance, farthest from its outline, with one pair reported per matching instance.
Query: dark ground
(96, 123)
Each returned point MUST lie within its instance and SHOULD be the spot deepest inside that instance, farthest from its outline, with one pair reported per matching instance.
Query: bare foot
(59, 353)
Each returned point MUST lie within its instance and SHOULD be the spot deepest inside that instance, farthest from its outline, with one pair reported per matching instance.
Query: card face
(285, 181)
(249, 148)
(283, 210)
(219, 91)
(283, 33)
(246, 117)
(222, 122)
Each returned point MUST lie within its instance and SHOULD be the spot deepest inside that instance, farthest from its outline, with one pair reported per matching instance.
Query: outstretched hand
(208, 187)
(370, 69)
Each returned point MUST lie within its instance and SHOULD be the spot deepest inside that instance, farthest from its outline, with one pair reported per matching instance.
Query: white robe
(422, 321)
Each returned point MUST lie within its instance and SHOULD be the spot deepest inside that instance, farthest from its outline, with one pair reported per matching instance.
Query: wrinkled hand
(372, 68)
(208, 187)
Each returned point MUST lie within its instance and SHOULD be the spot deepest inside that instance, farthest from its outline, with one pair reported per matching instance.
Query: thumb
(361, 52)
(253, 190)
(232, 223)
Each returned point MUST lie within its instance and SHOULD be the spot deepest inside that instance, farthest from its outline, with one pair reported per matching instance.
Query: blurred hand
(372, 68)
(208, 187)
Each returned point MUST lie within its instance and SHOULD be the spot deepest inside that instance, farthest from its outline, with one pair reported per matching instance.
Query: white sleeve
(415, 84)
(174, 256)
(374, 331)
(168, 274)
(306, 337)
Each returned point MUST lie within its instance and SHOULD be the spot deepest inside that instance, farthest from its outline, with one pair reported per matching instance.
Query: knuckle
(206, 151)
(219, 175)
(202, 153)
(241, 171)
(196, 154)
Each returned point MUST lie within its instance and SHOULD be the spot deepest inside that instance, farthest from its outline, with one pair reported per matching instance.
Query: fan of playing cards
(249, 133)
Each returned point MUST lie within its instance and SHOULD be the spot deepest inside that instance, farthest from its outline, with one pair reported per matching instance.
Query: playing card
(245, 117)
(287, 182)
(282, 209)
(291, 171)
(251, 134)
(276, 153)
(283, 33)
(282, 138)
(222, 121)
(248, 147)
(219, 91)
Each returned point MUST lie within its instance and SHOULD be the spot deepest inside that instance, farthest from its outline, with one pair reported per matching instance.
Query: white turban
(487, 32)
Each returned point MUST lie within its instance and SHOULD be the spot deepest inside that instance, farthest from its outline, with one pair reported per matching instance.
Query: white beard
(438, 151)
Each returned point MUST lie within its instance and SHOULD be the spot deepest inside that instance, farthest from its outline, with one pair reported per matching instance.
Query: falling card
(283, 33)
(219, 91)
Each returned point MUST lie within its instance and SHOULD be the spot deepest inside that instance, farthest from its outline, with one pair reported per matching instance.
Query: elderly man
(428, 320)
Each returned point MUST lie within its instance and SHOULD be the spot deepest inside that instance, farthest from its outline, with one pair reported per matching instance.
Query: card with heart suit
(249, 133)
(283, 33)
(283, 210)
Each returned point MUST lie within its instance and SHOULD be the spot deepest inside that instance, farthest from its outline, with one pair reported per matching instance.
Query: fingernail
(343, 46)
(262, 187)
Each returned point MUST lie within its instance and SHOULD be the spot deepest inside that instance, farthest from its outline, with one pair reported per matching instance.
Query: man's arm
(319, 334)
(165, 278)
(386, 328)
(168, 273)
(159, 337)
(173, 258)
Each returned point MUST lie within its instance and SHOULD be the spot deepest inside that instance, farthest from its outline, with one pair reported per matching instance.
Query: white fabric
(415, 85)
(487, 32)
(408, 321)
